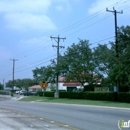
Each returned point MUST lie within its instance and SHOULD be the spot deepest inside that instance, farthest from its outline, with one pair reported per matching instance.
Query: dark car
(29, 93)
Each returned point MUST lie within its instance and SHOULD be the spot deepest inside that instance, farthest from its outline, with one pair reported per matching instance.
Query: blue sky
(26, 27)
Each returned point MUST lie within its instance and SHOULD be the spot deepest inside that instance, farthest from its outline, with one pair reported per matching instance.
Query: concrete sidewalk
(12, 120)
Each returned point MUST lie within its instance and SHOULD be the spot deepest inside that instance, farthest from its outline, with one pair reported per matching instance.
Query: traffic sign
(44, 85)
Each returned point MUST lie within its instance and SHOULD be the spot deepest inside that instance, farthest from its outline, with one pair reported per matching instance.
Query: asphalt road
(77, 116)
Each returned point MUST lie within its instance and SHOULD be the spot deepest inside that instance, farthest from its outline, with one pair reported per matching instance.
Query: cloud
(28, 21)
(59, 8)
(66, 6)
(99, 5)
(29, 6)
(27, 14)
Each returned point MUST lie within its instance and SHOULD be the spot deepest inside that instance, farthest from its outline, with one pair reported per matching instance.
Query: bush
(46, 94)
(124, 97)
(108, 96)
(105, 96)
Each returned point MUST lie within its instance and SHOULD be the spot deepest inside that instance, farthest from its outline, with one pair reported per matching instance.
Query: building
(35, 88)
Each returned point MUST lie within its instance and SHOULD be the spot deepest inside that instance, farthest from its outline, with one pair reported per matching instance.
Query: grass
(76, 101)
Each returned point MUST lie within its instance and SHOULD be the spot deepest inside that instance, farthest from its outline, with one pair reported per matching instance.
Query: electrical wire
(83, 21)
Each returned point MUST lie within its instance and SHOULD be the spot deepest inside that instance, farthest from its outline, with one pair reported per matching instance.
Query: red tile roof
(35, 86)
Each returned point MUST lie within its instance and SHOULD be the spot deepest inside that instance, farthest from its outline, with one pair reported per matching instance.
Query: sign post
(43, 86)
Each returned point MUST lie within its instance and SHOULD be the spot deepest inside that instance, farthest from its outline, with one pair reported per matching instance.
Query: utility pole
(57, 39)
(116, 36)
(13, 71)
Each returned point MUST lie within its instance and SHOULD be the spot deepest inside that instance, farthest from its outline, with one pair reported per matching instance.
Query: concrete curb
(105, 107)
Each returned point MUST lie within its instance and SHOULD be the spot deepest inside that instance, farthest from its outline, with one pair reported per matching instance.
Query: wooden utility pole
(116, 37)
(57, 39)
(13, 71)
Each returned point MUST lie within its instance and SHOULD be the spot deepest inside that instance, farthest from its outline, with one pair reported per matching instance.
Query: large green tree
(78, 63)
(116, 67)
(123, 61)
(47, 74)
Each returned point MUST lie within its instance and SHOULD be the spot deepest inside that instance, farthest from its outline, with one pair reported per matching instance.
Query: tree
(27, 82)
(105, 61)
(116, 68)
(47, 74)
(78, 64)
(21, 83)
(10, 84)
(1, 86)
(123, 61)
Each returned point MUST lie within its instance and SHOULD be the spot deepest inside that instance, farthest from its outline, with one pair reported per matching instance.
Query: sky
(26, 27)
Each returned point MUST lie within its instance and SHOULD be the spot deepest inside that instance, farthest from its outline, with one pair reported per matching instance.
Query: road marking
(49, 121)
(66, 125)
(41, 118)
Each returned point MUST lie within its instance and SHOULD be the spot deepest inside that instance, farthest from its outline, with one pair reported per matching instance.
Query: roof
(35, 86)
(61, 79)
(70, 84)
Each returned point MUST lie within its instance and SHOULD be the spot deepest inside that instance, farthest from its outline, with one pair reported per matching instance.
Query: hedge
(124, 97)
(108, 96)
(46, 94)
(104, 96)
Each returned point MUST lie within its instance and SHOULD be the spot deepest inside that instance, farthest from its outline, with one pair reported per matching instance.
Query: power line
(50, 57)
(37, 62)
(89, 25)
(96, 14)
(82, 21)
(88, 18)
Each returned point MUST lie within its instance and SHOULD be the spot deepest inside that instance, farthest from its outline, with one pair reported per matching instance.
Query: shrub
(46, 94)
(124, 97)
(108, 96)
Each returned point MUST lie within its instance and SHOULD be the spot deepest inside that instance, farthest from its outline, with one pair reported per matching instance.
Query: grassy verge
(76, 101)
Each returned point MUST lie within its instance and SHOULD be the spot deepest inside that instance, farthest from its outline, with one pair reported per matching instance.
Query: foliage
(47, 94)
(47, 74)
(81, 63)
(78, 64)
(21, 83)
(124, 97)
(116, 67)
(107, 96)
(1, 86)
(9, 84)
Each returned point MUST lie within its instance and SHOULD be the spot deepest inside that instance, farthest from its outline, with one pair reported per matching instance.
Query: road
(77, 116)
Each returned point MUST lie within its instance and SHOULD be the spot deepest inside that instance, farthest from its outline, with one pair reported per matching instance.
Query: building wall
(61, 87)
(35, 89)
(101, 89)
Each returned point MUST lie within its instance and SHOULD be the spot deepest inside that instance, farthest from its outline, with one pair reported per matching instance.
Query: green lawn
(76, 101)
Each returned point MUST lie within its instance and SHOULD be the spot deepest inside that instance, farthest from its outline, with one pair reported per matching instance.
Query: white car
(17, 92)
(22, 92)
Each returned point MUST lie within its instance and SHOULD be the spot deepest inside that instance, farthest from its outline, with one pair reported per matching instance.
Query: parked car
(22, 92)
(17, 92)
(29, 93)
